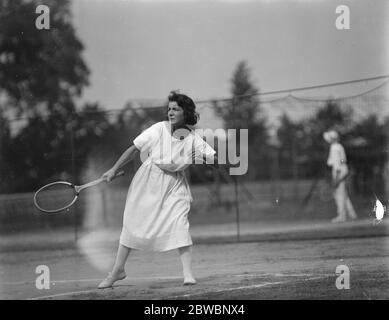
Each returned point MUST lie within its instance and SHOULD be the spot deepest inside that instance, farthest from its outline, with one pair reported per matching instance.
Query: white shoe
(338, 219)
(189, 282)
(110, 280)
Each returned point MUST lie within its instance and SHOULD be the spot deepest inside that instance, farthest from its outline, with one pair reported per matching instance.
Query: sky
(143, 49)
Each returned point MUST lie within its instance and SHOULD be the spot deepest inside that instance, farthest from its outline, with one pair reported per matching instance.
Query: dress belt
(180, 175)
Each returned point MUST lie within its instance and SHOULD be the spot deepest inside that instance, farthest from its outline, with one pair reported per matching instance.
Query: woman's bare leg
(186, 260)
(118, 272)
(121, 258)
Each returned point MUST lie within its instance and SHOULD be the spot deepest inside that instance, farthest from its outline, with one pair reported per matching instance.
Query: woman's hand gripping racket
(58, 196)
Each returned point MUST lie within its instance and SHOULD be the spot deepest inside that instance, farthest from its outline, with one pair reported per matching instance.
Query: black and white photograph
(216, 151)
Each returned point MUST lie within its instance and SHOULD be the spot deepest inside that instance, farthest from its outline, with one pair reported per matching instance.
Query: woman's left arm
(206, 160)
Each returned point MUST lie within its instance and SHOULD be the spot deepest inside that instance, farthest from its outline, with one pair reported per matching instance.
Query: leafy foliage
(243, 112)
(302, 146)
(39, 69)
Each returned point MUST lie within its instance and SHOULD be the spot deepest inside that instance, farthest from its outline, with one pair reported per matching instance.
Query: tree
(332, 117)
(290, 137)
(5, 143)
(368, 157)
(41, 74)
(50, 148)
(243, 112)
(39, 69)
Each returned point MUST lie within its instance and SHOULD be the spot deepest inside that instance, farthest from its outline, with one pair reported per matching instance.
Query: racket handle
(95, 182)
(119, 174)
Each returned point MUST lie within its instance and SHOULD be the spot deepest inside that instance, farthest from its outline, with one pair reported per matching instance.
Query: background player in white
(338, 162)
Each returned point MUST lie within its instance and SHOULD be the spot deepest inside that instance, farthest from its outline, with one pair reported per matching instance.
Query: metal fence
(286, 191)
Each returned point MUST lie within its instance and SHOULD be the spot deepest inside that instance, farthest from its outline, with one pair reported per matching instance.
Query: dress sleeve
(148, 137)
(202, 148)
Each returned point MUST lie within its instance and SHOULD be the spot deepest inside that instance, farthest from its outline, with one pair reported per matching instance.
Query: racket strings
(55, 197)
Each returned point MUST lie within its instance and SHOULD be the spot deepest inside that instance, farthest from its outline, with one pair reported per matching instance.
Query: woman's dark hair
(190, 115)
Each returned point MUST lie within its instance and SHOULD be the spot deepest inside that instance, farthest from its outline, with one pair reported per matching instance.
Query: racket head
(55, 197)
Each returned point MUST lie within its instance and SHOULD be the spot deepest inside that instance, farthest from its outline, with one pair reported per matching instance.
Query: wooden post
(236, 180)
(74, 208)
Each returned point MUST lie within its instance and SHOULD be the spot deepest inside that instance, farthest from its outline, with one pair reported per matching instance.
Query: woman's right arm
(126, 157)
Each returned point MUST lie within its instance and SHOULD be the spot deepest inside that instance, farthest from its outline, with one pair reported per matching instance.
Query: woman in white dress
(158, 201)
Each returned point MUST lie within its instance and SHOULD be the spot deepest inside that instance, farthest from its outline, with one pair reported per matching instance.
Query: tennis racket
(327, 189)
(60, 195)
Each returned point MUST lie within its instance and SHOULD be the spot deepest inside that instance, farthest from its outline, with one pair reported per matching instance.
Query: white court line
(127, 278)
(96, 289)
(254, 286)
(89, 280)
(276, 275)
(51, 282)
(193, 294)
(159, 277)
(62, 294)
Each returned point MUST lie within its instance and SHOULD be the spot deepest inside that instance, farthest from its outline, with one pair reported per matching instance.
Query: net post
(237, 208)
(75, 227)
(104, 205)
(295, 170)
(235, 177)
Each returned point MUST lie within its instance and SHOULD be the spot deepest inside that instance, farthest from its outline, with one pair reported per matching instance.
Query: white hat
(330, 136)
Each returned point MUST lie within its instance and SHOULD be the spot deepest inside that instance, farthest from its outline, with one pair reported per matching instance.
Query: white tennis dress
(158, 200)
(338, 161)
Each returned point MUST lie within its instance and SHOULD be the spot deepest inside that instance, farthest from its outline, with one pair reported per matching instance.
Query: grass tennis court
(295, 132)
(283, 254)
(266, 268)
